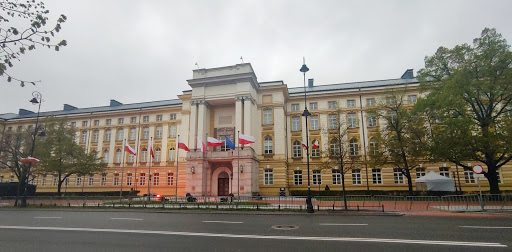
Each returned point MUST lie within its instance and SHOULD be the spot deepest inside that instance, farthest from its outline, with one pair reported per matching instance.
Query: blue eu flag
(229, 144)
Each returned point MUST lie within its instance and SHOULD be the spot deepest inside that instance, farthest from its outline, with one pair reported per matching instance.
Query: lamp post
(309, 204)
(37, 99)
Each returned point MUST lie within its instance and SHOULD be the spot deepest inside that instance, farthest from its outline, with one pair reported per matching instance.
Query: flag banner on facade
(214, 142)
(315, 144)
(151, 151)
(201, 145)
(130, 149)
(229, 144)
(244, 139)
(29, 159)
(305, 147)
(182, 145)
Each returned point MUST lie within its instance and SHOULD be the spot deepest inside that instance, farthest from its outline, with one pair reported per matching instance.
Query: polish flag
(29, 159)
(244, 139)
(305, 147)
(182, 145)
(129, 149)
(151, 151)
(201, 145)
(214, 142)
(315, 144)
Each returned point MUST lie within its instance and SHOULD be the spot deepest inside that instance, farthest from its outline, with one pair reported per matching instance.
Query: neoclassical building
(222, 102)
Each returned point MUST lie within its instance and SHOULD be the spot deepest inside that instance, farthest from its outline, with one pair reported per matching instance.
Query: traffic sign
(478, 169)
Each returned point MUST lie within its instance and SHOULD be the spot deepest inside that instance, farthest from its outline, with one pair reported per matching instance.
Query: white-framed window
(317, 177)
(91, 180)
(315, 152)
(398, 176)
(268, 176)
(314, 122)
(66, 181)
(297, 177)
(129, 179)
(267, 117)
(372, 119)
(352, 120)
(411, 99)
(158, 118)
(370, 102)
(173, 116)
(297, 149)
(373, 146)
(131, 158)
(133, 119)
(295, 123)
(55, 180)
(84, 137)
(172, 154)
(313, 105)
(116, 179)
(354, 147)
(84, 123)
(392, 117)
(156, 179)
(390, 100)
(158, 155)
(145, 118)
(334, 147)
(420, 172)
(118, 156)
(356, 177)
(133, 134)
(377, 176)
(295, 107)
(108, 135)
(224, 147)
(103, 179)
(144, 155)
(96, 122)
(120, 135)
(95, 136)
(158, 132)
(1, 178)
(142, 179)
(336, 177)
(333, 121)
(331, 104)
(120, 121)
(170, 178)
(351, 103)
(444, 171)
(498, 176)
(43, 181)
(469, 178)
(108, 121)
(267, 145)
(172, 131)
(73, 124)
(105, 156)
(145, 133)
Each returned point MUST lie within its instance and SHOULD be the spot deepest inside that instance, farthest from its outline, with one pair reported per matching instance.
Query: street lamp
(306, 113)
(37, 99)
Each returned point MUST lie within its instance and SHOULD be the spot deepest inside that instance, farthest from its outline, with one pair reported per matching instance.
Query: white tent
(435, 182)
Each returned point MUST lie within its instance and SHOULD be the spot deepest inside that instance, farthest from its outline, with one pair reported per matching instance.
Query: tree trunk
(59, 186)
(409, 181)
(492, 177)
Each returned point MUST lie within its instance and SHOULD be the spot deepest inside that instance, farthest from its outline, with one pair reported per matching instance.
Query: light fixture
(241, 168)
(193, 170)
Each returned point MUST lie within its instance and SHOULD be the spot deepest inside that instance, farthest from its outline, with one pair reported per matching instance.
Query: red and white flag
(151, 151)
(214, 142)
(182, 145)
(130, 149)
(305, 147)
(29, 159)
(315, 144)
(201, 145)
(244, 139)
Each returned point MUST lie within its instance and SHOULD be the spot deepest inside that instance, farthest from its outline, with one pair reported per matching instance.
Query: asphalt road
(35, 230)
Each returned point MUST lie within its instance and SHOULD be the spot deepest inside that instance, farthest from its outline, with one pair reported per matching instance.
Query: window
(142, 179)
(314, 123)
(224, 147)
(145, 119)
(145, 133)
(108, 134)
(317, 177)
(73, 124)
(2, 179)
(84, 123)
(156, 178)
(83, 139)
(354, 147)
(370, 102)
(170, 178)
(392, 117)
(356, 177)
(444, 171)
(411, 99)
(158, 118)
(376, 176)
(334, 147)
(172, 131)
(372, 120)
(399, 177)
(144, 156)
(158, 155)
(351, 103)
(297, 149)
(295, 107)
(173, 116)
(336, 177)
(116, 179)
(96, 122)
(267, 145)
(91, 180)
(120, 135)
(333, 121)
(468, 176)
(55, 181)
(171, 154)
(66, 181)
(268, 177)
(297, 177)
(133, 133)
(331, 104)
(118, 156)
(498, 175)
(133, 119)
(420, 172)
(352, 120)
(129, 179)
(120, 121)
(78, 180)
(158, 132)
(108, 121)
(374, 147)
(43, 182)
(103, 179)
(315, 152)
(267, 116)
(313, 106)
(105, 156)
(131, 158)
(95, 135)
(390, 100)
(295, 123)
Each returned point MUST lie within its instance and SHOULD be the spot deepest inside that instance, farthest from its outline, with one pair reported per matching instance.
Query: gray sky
(137, 51)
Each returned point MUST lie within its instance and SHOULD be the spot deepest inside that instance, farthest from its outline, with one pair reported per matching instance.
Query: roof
(352, 85)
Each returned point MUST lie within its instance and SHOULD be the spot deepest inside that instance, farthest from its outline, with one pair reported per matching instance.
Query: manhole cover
(285, 227)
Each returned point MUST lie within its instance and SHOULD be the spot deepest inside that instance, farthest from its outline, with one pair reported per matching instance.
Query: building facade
(222, 102)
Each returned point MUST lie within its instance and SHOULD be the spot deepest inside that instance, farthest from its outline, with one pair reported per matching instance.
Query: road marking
(342, 224)
(126, 219)
(47, 217)
(229, 222)
(345, 239)
(483, 227)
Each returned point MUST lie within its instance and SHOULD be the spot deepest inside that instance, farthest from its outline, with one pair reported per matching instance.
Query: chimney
(409, 74)
(25, 112)
(68, 107)
(310, 83)
(114, 103)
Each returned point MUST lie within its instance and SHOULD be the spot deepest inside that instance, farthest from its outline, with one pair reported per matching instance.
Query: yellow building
(221, 102)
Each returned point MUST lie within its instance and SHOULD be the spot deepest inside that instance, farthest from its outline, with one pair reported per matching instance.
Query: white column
(248, 105)
(238, 116)
(202, 122)
(193, 126)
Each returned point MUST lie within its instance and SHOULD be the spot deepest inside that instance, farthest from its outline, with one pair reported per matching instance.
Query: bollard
(382, 208)
(258, 207)
(41, 205)
(98, 204)
(358, 208)
(333, 207)
(69, 204)
(279, 208)
(55, 204)
(318, 207)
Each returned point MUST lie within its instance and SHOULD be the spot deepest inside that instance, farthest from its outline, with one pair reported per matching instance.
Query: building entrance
(223, 184)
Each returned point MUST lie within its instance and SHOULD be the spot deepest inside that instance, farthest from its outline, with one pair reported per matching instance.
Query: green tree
(469, 100)
(61, 156)
(23, 27)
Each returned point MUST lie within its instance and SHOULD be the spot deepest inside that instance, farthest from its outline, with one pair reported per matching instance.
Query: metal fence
(322, 203)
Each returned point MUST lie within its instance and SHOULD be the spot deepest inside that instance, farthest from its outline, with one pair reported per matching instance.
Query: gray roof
(352, 85)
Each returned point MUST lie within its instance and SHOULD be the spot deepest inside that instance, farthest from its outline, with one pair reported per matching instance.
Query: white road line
(126, 219)
(484, 227)
(229, 222)
(346, 239)
(47, 217)
(342, 224)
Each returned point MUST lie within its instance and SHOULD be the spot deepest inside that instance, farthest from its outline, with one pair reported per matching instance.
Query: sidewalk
(459, 214)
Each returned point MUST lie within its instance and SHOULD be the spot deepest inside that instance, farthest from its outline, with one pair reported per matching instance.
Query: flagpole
(177, 165)
(238, 191)
(122, 170)
(206, 167)
(149, 168)
(232, 172)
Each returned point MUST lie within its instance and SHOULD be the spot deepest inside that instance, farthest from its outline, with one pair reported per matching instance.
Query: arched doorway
(223, 184)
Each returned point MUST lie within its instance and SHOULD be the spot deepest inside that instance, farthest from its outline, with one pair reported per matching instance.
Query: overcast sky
(138, 51)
